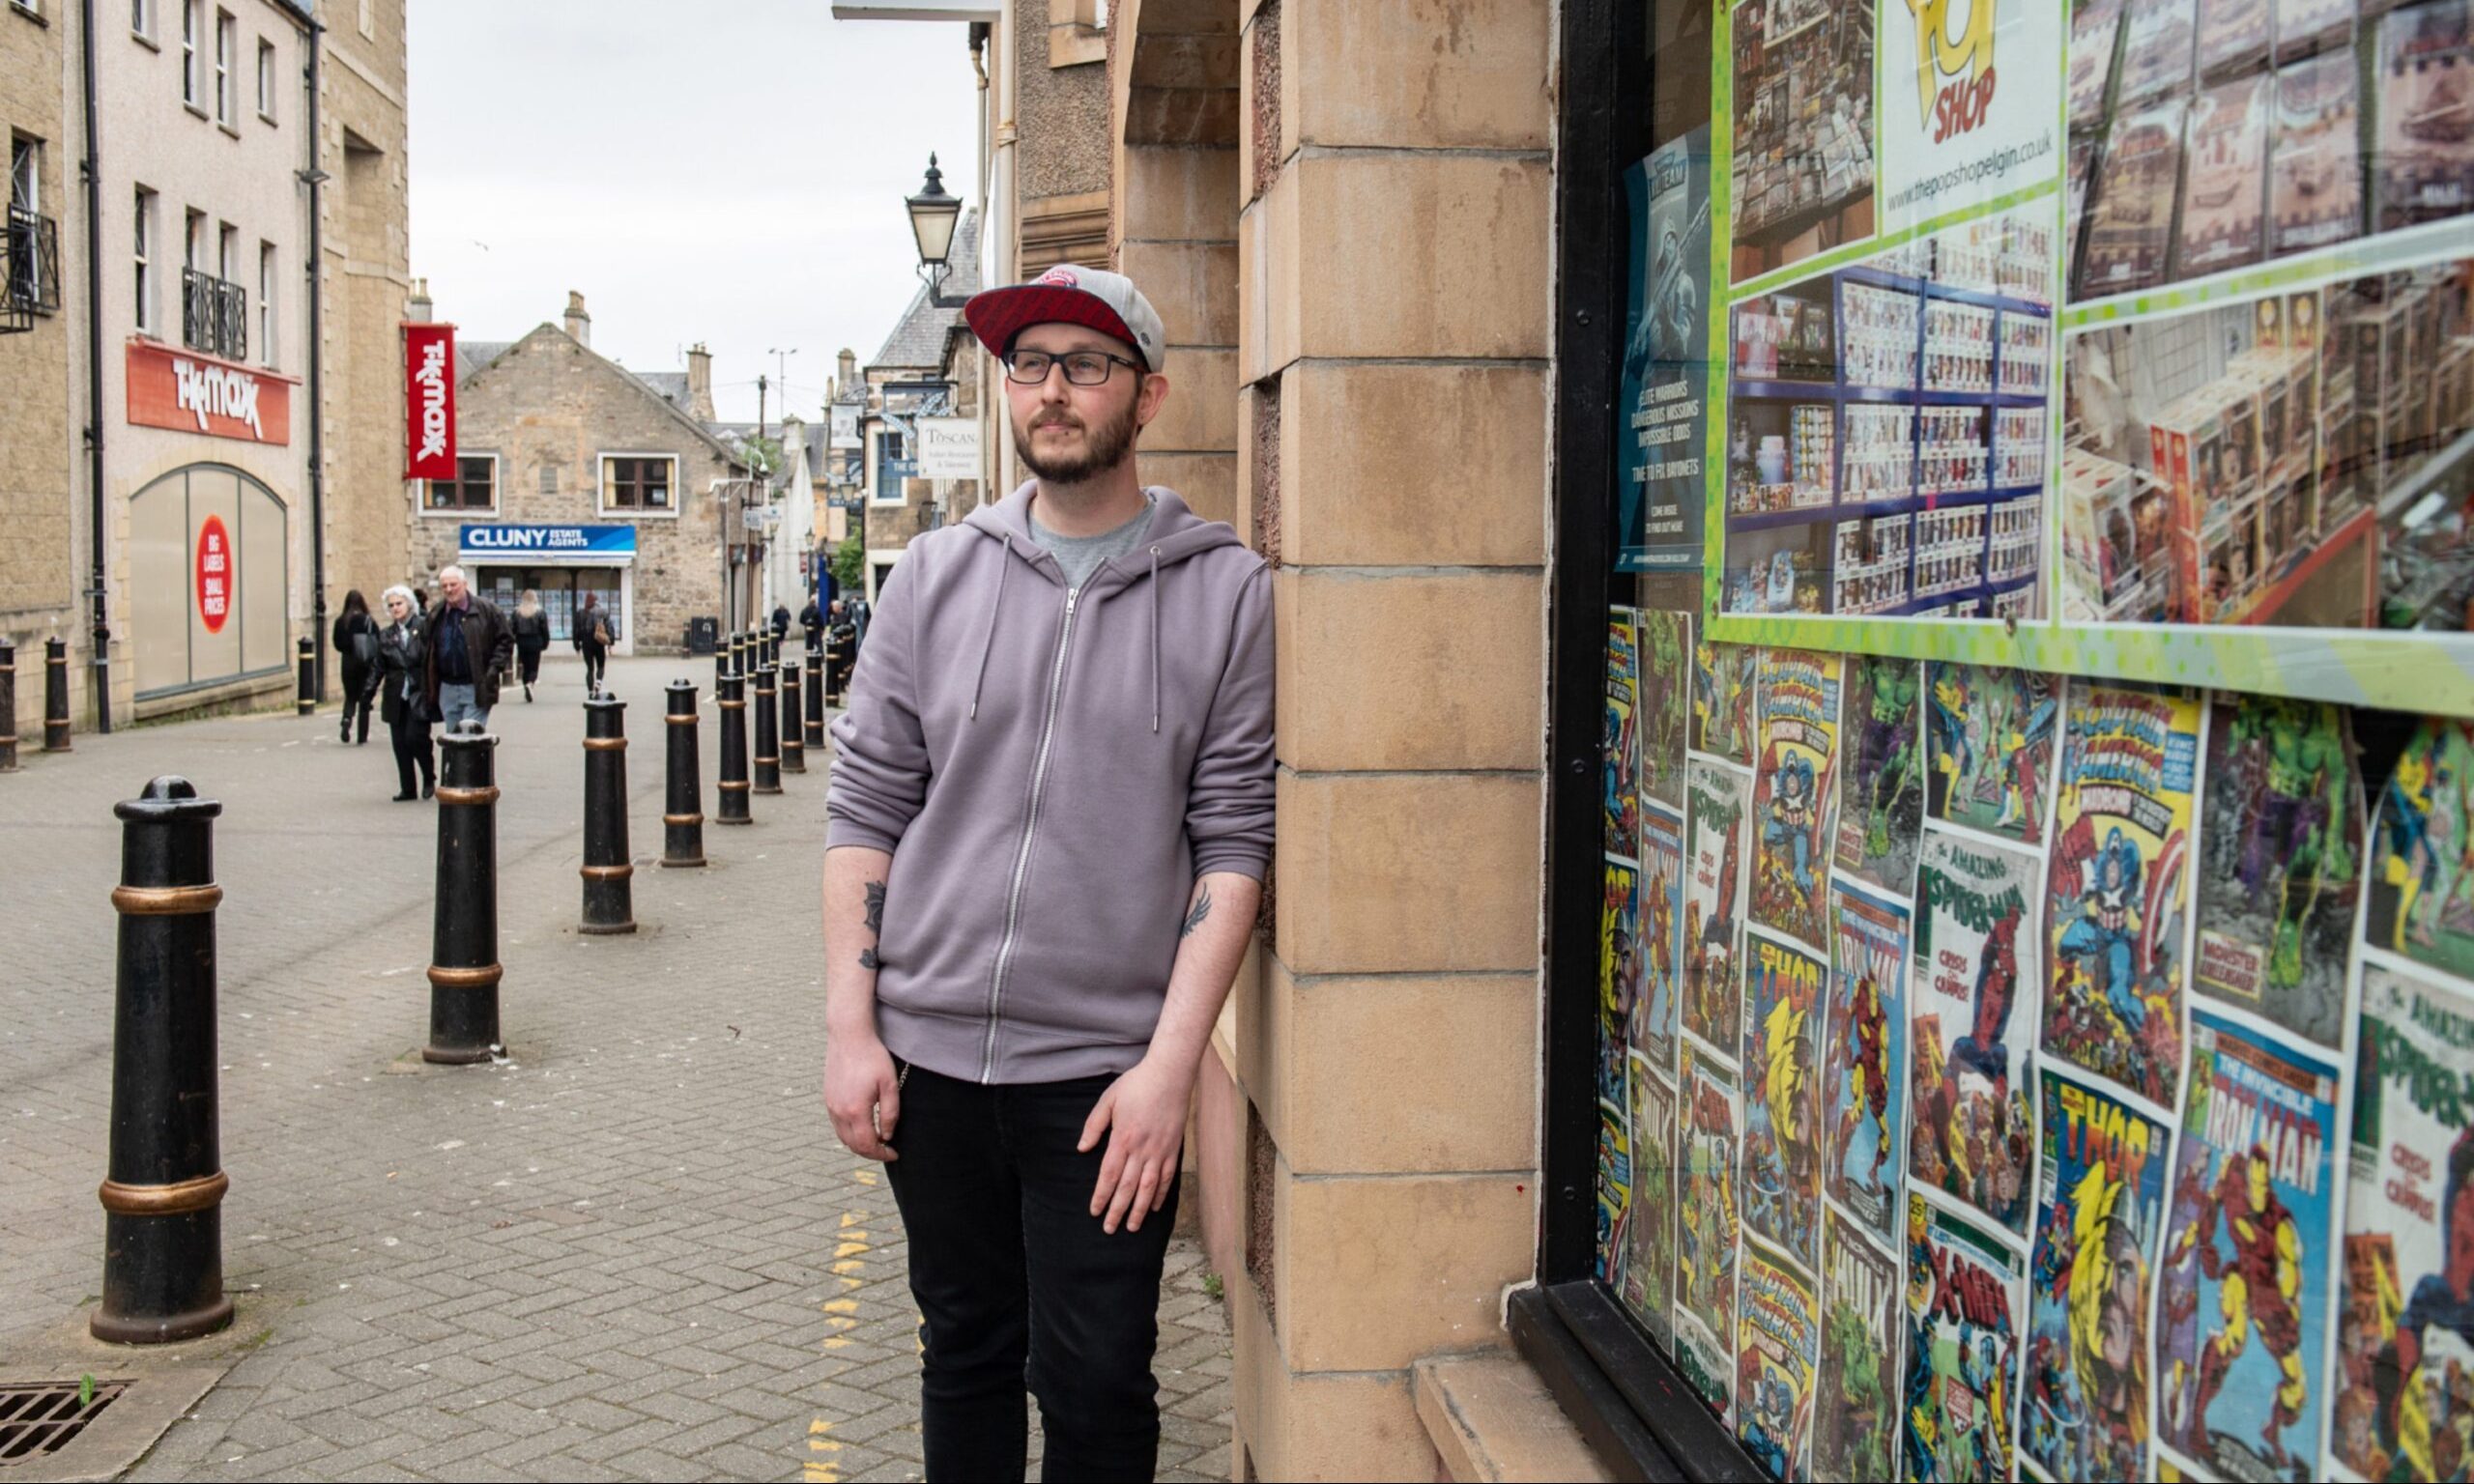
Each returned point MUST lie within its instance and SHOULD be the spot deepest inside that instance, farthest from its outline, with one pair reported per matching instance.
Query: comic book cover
(1855, 1422)
(2100, 1207)
(2118, 885)
(1665, 645)
(1782, 1026)
(1707, 1228)
(1649, 1266)
(1619, 973)
(2281, 847)
(1990, 749)
(1722, 700)
(2421, 864)
(1970, 1008)
(2405, 1372)
(1962, 1308)
(1622, 742)
(1613, 1189)
(1777, 1346)
(1880, 788)
(1864, 1062)
(1658, 1004)
(2242, 1302)
(1716, 858)
(1795, 792)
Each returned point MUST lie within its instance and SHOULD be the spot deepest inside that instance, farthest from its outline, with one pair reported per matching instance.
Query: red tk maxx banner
(429, 401)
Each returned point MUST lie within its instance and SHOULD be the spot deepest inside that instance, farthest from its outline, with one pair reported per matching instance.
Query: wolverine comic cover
(1972, 997)
(1648, 1266)
(1717, 855)
(1722, 700)
(1864, 1061)
(1656, 1009)
(1777, 1346)
(1664, 647)
(1989, 749)
(1963, 1313)
(1795, 792)
(1854, 1417)
(1621, 744)
(1707, 1228)
(2421, 864)
(1782, 1029)
(1880, 788)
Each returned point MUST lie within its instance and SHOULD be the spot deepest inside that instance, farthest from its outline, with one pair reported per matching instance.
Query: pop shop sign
(215, 571)
(196, 393)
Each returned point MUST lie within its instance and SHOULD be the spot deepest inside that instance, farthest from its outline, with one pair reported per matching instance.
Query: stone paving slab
(631, 1249)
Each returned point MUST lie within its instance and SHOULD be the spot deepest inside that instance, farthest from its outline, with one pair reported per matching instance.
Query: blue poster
(1660, 491)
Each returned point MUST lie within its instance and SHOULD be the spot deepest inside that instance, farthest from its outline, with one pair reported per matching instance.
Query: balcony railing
(32, 257)
(215, 315)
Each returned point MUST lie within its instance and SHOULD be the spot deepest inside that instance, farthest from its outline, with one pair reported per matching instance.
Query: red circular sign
(215, 573)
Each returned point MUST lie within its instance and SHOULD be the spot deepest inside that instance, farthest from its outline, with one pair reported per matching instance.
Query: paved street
(632, 1249)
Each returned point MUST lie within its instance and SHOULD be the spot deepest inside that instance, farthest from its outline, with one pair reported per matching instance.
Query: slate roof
(918, 340)
(472, 355)
(670, 386)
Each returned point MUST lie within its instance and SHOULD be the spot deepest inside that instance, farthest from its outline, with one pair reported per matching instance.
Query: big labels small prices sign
(948, 448)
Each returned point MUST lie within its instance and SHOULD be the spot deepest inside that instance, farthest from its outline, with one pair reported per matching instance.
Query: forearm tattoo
(1197, 913)
(876, 923)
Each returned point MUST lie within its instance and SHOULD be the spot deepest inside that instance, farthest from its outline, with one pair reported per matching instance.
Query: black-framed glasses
(1083, 368)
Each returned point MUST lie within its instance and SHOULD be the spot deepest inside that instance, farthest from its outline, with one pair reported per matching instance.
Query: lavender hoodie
(1051, 770)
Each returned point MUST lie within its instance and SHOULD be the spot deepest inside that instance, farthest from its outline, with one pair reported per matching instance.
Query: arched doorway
(210, 565)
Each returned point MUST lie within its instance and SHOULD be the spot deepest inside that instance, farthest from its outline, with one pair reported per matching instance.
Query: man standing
(1049, 820)
(469, 647)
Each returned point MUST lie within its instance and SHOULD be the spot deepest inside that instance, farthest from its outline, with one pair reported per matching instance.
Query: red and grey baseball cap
(1090, 297)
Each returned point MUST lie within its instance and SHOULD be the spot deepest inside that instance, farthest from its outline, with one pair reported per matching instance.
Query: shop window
(475, 487)
(640, 483)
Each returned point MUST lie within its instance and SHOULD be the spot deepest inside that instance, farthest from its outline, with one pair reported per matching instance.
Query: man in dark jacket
(812, 619)
(469, 647)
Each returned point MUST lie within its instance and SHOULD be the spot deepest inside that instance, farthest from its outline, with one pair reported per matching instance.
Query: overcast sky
(729, 172)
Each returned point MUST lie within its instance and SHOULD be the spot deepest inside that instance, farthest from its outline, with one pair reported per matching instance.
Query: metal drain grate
(39, 1418)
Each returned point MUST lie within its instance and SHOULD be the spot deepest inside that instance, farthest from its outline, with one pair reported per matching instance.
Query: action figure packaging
(2224, 177)
(2130, 230)
(1972, 1016)
(2157, 52)
(2314, 179)
(2424, 159)
(2093, 31)
(2233, 36)
(2305, 26)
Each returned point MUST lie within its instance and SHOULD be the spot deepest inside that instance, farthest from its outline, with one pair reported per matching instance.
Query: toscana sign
(193, 393)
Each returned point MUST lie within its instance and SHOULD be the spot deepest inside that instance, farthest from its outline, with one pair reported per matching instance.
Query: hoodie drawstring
(988, 645)
(1155, 640)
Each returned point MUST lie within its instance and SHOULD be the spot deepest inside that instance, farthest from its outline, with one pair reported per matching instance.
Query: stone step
(1490, 1419)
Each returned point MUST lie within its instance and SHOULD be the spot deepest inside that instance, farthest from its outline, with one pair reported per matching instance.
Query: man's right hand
(862, 1095)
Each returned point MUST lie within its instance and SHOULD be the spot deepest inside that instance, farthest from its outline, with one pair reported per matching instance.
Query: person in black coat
(403, 650)
(597, 629)
(781, 624)
(356, 642)
(812, 619)
(532, 636)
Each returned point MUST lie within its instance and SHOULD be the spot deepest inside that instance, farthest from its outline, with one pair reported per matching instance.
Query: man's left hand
(1144, 1116)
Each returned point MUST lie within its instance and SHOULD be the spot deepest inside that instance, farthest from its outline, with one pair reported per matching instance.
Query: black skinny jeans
(1017, 1285)
(357, 697)
(410, 737)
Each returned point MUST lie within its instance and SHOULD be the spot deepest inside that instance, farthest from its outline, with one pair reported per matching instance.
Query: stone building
(580, 476)
(911, 376)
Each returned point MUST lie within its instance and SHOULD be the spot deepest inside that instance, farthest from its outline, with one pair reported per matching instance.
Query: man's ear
(1147, 401)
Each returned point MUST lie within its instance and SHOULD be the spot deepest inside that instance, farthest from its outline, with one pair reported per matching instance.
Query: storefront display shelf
(2263, 606)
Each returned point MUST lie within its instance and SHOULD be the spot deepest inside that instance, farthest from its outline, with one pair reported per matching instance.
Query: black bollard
(768, 744)
(741, 654)
(731, 792)
(608, 901)
(682, 820)
(8, 706)
(306, 700)
(55, 696)
(721, 662)
(464, 970)
(163, 1200)
(795, 747)
(814, 697)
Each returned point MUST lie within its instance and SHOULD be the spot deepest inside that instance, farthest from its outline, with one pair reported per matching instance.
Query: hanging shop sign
(429, 401)
(2128, 338)
(947, 447)
(503, 542)
(215, 573)
(194, 393)
(846, 427)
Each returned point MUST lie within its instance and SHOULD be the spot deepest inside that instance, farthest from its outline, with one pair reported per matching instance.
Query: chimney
(849, 378)
(579, 323)
(700, 383)
(419, 309)
(795, 441)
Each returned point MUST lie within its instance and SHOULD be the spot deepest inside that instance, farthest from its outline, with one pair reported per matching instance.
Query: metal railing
(32, 256)
(215, 315)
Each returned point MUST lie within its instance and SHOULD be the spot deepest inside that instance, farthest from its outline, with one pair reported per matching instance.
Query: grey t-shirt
(1081, 556)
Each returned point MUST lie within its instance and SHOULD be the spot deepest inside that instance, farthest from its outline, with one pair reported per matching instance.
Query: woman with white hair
(402, 651)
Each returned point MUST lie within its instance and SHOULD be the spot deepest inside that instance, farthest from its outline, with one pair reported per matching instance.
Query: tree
(846, 558)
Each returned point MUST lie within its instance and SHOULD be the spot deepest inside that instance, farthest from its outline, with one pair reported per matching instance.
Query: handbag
(365, 647)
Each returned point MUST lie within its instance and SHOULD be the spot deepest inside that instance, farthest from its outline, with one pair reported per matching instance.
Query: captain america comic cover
(1648, 1264)
(1777, 1348)
(1664, 647)
(1717, 855)
(1881, 781)
(1708, 1227)
(1783, 989)
(1723, 682)
(1795, 792)
(1619, 745)
(1964, 1307)
(1658, 1005)
(1972, 1006)
(1864, 1061)
(1855, 1415)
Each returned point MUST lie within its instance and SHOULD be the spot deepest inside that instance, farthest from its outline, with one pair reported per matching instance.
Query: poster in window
(1864, 1073)
(1784, 1017)
(1719, 854)
(1621, 745)
(1855, 1407)
(2425, 156)
(1880, 788)
(1963, 1308)
(1795, 793)
(1658, 1005)
(1971, 105)
(1613, 1189)
(1648, 1266)
(1777, 1348)
(1972, 1016)
(1803, 81)
(1665, 650)
(2422, 862)
(1990, 749)
(1722, 700)
(1665, 381)
(1707, 1228)
(1619, 973)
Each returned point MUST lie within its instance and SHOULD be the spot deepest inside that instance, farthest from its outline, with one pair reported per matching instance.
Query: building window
(30, 261)
(893, 464)
(266, 303)
(193, 243)
(368, 22)
(227, 245)
(25, 175)
(142, 241)
(141, 18)
(266, 79)
(27, 6)
(637, 482)
(192, 20)
(475, 487)
(223, 67)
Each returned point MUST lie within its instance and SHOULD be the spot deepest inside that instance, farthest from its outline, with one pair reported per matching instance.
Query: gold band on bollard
(178, 1199)
(695, 818)
(166, 900)
(733, 782)
(605, 743)
(687, 719)
(732, 705)
(481, 977)
(488, 795)
(605, 873)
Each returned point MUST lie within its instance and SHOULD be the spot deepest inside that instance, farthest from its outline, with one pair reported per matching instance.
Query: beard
(1105, 447)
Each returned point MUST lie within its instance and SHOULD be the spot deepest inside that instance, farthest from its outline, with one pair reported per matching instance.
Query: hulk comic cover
(1782, 1027)
(2117, 885)
(1963, 1311)
(1970, 1004)
(1722, 700)
(1855, 1422)
(1621, 743)
(1665, 650)
(2405, 1372)
(1613, 1189)
(2421, 864)
(1881, 786)
(1619, 973)
(1989, 749)
(1777, 1346)
(1648, 1266)
(1717, 856)
(1658, 1005)
(2244, 1279)
(2280, 844)
(2099, 1208)
(1707, 1229)
(1795, 792)
(1864, 1062)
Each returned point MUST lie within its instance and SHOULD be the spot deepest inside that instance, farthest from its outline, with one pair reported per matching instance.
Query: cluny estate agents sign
(193, 393)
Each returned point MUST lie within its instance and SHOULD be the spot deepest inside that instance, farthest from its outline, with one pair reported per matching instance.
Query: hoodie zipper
(1030, 827)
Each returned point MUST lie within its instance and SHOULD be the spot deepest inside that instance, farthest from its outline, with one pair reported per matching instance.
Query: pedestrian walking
(403, 700)
(781, 624)
(811, 622)
(356, 642)
(531, 628)
(1017, 995)
(595, 631)
(469, 646)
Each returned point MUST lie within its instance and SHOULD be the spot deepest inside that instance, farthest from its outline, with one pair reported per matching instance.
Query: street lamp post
(934, 215)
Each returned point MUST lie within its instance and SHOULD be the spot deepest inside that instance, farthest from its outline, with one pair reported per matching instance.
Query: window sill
(268, 119)
(227, 128)
(633, 513)
(430, 513)
(145, 40)
(29, 12)
(195, 109)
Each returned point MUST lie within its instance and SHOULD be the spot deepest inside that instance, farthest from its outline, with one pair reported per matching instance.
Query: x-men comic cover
(1649, 1266)
(1621, 741)
(1864, 1061)
(1665, 650)
(1613, 1189)
(1722, 700)
(1855, 1419)
(2100, 1206)
(2245, 1275)
(1717, 856)
(1709, 1123)
(1619, 973)
(1795, 793)
(1782, 1032)
(1972, 1007)
(2405, 1372)
(2422, 865)
(2281, 860)
(1777, 1346)
(1659, 1005)
(1881, 783)
(1989, 748)
(2118, 885)
(1964, 1306)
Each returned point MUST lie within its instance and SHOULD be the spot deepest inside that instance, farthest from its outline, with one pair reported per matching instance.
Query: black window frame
(624, 482)
(462, 486)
